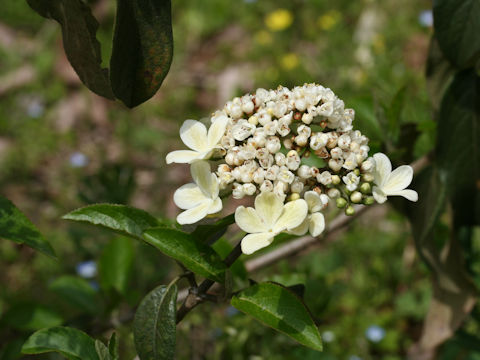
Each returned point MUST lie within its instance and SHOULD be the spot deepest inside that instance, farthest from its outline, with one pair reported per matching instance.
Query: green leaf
(76, 292)
(394, 111)
(154, 325)
(15, 226)
(30, 316)
(113, 347)
(71, 343)
(195, 255)
(102, 351)
(458, 146)
(457, 25)
(209, 234)
(142, 49)
(279, 308)
(123, 219)
(81, 46)
(116, 264)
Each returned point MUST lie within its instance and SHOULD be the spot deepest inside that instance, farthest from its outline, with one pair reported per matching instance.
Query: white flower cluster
(299, 147)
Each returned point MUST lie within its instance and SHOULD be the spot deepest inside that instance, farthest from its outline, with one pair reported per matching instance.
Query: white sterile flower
(269, 218)
(391, 183)
(194, 134)
(199, 199)
(315, 221)
(242, 130)
(351, 181)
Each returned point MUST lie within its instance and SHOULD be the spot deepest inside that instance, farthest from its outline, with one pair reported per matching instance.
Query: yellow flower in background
(279, 20)
(328, 20)
(263, 37)
(290, 61)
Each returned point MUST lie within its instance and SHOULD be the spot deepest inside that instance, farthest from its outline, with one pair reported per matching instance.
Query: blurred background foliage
(62, 147)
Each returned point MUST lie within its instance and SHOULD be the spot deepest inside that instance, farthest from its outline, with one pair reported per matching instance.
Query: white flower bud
(249, 189)
(356, 197)
(304, 130)
(324, 199)
(237, 173)
(335, 165)
(230, 158)
(246, 175)
(262, 153)
(267, 162)
(253, 120)
(285, 175)
(259, 175)
(264, 118)
(351, 181)
(368, 165)
(273, 144)
(344, 142)
(333, 193)
(271, 127)
(314, 171)
(280, 109)
(324, 178)
(293, 160)
(280, 159)
(336, 153)
(368, 177)
(354, 146)
(272, 172)
(247, 107)
(301, 140)
(237, 191)
(236, 111)
(318, 140)
(307, 118)
(297, 185)
(247, 152)
(300, 105)
(332, 140)
(267, 185)
(304, 172)
(326, 109)
(261, 95)
(350, 162)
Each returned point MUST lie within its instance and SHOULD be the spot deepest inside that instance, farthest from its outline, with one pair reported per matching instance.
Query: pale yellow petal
(195, 214)
(408, 194)
(269, 207)
(379, 195)
(254, 242)
(248, 220)
(182, 156)
(301, 229)
(203, 178)
(399, 179)
(188, 196)
(383, 168)
(216, 131)
(317, 224)
(314, 201)
(194, 135)
(216, 206)
(294, 213)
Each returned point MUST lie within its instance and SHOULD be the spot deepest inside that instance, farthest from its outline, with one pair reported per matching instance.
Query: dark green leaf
(71, 343)
(458, 146)
(394, 111)
(193, 254)
(154, 325)
(113, 347)
(209, 234)
(142, 49)
(15, 226)
(81, 46)
(102, 351)
(77, 292)
(123, 219)
(30, 316)
(457, 25)
(116, 263)
(279, 308)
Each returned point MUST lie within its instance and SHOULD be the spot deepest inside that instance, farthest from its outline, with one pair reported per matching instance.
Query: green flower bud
(356, 197)
(369, 200)
(349, 211)
(366, 188)
(341, 202)
(356, 172)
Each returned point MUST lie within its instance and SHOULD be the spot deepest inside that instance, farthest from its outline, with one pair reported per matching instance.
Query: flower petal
(317, 224)
(293, 215)
(216, 131)
(194, 134)
(379, 195)
(182, 156)
(269, 207)
(188, 196)
(248, 220)
(195, 214)
(217, 205)
(254, 242)
(399, 179)
(300, 229)
(383, 168)
(314, 201)
(203, 178)
(408, 194)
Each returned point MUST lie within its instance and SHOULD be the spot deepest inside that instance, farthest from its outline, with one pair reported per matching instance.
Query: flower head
(269, 218)
(199, 199)
(391, 183)
(194, 134)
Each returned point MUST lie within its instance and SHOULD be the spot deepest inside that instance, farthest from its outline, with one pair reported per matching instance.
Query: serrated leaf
(116, 264)
(79, 28)
(194, 255)
(154, 325)
(123, 219)
(71, 343)
(142, 49)
(457, 25)
(77, 292)
(277, 307)
(30, 316)
(15, 226)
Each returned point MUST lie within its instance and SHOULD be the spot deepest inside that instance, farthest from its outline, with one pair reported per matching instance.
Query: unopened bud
(365, 188)
(349, 211)
(294, 196)
(356, 197)
(336, 179)
(341, 202)
(369, 200)
(367, 177)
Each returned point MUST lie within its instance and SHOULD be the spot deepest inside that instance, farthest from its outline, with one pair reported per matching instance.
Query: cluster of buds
(300, 146)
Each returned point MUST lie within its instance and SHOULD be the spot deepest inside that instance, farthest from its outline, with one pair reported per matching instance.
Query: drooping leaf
(15, 226)
(116, 263)
(279, 308)
(154, 325)
(457, 25)
(193, 254)
(79, 28)
(458, 146)
(76, 292)
(142, 49)
(123, 219)
(30, 316)
(209, 234)
(71, 343)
